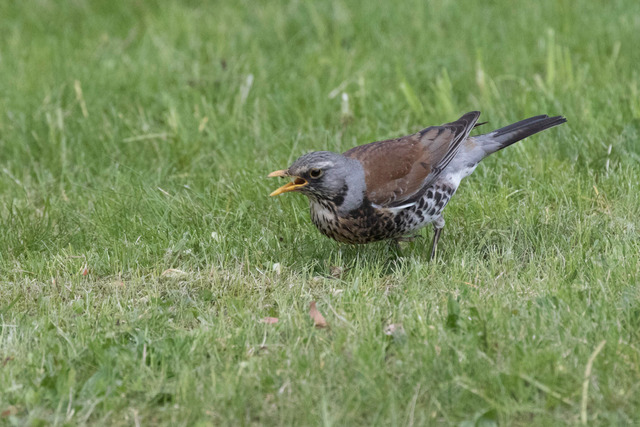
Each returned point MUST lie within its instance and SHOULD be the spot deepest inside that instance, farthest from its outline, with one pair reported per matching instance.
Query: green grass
(135, 138)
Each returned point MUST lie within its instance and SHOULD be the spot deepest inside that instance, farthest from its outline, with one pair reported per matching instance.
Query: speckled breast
(368, 224)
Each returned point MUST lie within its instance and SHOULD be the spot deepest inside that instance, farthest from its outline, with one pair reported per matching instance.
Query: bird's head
(323, 175)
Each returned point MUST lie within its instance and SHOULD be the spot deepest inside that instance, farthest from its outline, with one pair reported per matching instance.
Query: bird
(391, 189)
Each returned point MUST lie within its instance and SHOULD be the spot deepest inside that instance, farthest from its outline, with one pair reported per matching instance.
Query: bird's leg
(408, 238)
(395, 244)
(438, 225)
(434, 245)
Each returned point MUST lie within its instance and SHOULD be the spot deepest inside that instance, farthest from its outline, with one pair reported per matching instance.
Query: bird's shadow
(387, 258)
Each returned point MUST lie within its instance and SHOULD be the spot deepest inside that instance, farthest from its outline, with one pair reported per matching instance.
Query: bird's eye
(315, 173)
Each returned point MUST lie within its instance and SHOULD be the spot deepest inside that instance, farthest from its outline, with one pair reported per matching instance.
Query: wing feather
(397, 171)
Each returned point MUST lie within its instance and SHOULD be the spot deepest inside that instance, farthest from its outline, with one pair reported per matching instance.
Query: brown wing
(396, 170)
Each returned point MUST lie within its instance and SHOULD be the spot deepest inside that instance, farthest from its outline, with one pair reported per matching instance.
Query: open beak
(290, 186)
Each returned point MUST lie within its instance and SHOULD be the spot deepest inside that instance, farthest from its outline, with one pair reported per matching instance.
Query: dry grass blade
(336, 271)
(393, 329)
(11, 410)
(269, 320)
(173, 272)
(318, 318)
(585, 384)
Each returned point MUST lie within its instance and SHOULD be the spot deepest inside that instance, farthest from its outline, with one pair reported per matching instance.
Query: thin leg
(434, 245)
(438, 225)
(395, 243)
(408, 238)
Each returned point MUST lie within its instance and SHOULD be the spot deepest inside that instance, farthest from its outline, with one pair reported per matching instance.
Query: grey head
(324, 175)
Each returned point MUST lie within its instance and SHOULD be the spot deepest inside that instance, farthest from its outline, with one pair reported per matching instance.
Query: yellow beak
(290, 186)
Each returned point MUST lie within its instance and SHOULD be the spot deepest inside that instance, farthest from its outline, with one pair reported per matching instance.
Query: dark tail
(513, 133)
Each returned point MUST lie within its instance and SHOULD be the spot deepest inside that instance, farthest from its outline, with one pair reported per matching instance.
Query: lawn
(140, 252)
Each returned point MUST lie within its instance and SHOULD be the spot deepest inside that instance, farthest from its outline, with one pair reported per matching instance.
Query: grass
(139, 249)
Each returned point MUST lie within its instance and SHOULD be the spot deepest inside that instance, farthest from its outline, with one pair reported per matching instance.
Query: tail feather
(515, 132)
(481, 146)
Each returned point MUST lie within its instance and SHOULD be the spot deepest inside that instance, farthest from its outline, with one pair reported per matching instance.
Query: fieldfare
(390, 189)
